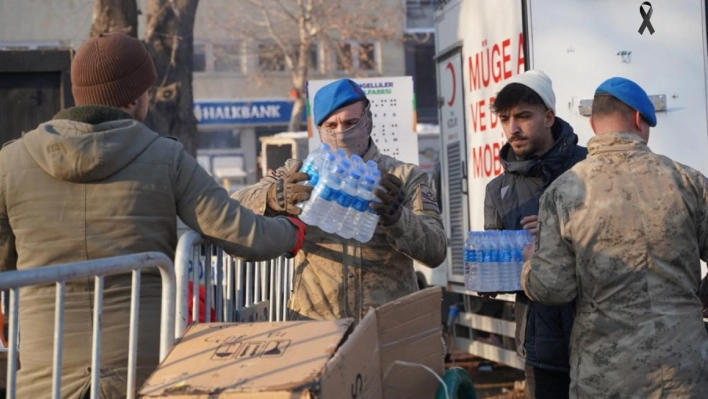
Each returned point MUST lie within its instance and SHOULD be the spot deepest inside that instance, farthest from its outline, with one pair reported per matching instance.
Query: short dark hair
(514, 94)
(605, 105)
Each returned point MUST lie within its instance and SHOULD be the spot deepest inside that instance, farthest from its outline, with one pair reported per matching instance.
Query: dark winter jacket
(542, 332)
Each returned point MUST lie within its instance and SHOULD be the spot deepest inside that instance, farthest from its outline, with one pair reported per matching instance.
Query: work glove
(285, 192)
(301, 231)
(391, 198)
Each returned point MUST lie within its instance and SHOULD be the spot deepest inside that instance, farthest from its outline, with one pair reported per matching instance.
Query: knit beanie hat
(539, 82)
(111, 69)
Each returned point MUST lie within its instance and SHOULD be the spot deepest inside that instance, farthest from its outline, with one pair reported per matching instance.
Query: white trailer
(579, 44)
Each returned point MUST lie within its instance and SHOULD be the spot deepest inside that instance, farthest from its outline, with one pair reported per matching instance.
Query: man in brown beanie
(95, 182)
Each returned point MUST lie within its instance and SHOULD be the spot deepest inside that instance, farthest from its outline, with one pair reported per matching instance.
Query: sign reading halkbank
(234, 112)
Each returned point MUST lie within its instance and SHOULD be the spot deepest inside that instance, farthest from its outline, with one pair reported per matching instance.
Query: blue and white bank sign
(234, 112)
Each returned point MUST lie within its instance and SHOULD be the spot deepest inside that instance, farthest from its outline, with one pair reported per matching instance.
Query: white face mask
(354, 140)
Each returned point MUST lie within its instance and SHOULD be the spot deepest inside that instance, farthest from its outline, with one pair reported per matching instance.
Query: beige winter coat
(73, 191)
(338, 278)
(623, 233)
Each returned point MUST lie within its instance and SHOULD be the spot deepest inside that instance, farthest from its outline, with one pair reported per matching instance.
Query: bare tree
(288, 32)
(168, 37)
(115, 16)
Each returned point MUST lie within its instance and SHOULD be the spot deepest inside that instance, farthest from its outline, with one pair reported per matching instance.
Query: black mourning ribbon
(646, 16)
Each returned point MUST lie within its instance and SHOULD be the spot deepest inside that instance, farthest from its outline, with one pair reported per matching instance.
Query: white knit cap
(539, 82)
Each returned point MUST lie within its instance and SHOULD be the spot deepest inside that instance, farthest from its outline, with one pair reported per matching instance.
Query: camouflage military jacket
(624, 232)
(338, 278)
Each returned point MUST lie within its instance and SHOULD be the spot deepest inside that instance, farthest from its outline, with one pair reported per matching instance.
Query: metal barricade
(12, 281)
(236, 287)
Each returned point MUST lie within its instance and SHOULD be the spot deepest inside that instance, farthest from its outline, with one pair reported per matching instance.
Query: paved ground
(501, 382)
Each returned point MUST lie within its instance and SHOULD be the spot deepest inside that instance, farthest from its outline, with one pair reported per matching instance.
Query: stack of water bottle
(344, 188)
(493, 260)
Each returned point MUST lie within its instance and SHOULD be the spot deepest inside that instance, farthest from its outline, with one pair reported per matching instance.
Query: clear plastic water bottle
(359, 201)
(322, 198)
(322, 162)
(506, 266)
(368, 219)
(329, 221)
(313, 164)
(521, 239)
(343, 202)
(489, 279)
(472, 261)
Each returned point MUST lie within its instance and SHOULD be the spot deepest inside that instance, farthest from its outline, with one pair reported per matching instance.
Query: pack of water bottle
(343, 189)
(493, 260)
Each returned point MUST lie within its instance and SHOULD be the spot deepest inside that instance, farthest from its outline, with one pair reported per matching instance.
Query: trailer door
(454, 159)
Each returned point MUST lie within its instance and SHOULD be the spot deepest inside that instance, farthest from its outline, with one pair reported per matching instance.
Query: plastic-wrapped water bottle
(313, 164)
(329, 219)
(521, 239)
(320, 203)
(368, 219)
(359, 201)
(472, 261)
(506, 266)
(490, 260)
(343, 202)
(322, 162)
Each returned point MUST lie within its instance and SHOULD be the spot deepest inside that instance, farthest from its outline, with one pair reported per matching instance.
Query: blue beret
(334, 96)
(631, 94)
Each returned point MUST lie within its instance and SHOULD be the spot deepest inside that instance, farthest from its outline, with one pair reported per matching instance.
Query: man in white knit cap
(540, 148)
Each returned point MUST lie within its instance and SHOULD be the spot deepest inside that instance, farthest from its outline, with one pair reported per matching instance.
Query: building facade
(242, 91)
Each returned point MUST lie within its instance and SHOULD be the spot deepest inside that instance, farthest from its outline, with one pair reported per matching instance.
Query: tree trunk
(170, 24)
(295, 124)
(115, 16)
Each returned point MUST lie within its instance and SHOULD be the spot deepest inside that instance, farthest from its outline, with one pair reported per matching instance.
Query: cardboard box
(309, 359)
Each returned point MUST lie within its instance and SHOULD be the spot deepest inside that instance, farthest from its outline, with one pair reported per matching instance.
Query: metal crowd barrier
(238, 291)
(12, 281)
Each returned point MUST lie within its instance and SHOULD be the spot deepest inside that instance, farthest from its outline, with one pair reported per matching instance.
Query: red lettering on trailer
(506, 58)
(520, 62)
(478, 114)
(485, 160)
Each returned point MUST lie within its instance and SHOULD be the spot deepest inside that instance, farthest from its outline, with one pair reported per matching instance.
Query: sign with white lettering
(393, 112)
(237, 112)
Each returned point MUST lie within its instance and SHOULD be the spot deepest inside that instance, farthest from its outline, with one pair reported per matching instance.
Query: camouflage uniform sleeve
(549, 276)
(492, 221)
(702, 224)
(419, 233)
(205, 206)
(702, 215)
(254, 197)
(8, 252)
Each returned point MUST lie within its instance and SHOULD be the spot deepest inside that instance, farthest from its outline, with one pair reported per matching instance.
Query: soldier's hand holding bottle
(285, 192)
(392, 196)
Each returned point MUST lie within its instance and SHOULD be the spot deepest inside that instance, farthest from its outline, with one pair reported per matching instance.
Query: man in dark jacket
(540, 148)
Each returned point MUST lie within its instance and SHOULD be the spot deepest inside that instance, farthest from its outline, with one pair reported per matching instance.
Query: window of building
(357, 56)
(367, 56)
(344, 57)
(228, 57)
(219, 139)
(420, 15)
(313, 62)
(270, 58)
(199, 57)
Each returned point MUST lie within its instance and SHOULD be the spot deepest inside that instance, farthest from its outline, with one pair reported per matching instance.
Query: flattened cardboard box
(410, 330)
(271, 360)
(308, 359)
